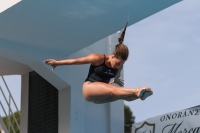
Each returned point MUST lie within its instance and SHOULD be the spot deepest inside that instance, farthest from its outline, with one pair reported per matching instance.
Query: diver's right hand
(52, 63)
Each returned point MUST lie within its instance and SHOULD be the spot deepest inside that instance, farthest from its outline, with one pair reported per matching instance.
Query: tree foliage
(12, 120)
(129, 119)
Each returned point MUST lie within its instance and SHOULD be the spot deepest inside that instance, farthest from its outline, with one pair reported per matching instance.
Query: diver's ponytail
(121, 38)
(121, 50)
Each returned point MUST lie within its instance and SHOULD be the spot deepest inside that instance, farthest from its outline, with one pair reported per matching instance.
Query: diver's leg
(102, 92)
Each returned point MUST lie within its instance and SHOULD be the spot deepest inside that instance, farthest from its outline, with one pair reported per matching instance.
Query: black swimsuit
(101, 73)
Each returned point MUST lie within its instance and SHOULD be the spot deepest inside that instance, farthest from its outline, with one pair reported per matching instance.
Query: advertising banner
(184, 121)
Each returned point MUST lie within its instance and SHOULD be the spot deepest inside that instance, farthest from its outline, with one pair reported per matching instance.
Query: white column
(64, 110)
(24, 103)
(117, 117)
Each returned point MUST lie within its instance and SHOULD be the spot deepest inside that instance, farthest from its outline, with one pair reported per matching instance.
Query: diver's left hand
(118, 81)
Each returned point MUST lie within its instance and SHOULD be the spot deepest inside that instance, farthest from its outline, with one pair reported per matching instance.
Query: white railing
(9, 100)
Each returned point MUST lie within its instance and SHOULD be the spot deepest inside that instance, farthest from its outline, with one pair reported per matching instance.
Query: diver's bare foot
(140, 91)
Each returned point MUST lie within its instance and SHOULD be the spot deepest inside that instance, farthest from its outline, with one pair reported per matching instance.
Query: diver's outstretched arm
(91, 58)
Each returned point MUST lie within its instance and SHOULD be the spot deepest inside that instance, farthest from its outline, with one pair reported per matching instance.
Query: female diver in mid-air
(97, 87)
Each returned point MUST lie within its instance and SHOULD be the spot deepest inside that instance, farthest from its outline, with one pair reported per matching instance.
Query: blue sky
(164, 55)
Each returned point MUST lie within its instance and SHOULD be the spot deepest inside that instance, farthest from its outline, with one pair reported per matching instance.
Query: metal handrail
(10, 93)
(11, 99)
(3, 109)
(10, 110)
(7, 116)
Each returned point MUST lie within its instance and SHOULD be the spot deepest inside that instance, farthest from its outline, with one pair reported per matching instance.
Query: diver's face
(116, 62)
